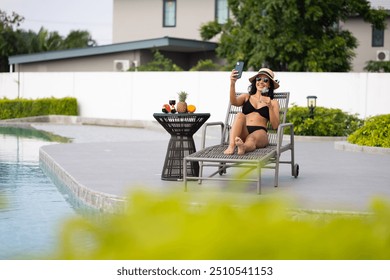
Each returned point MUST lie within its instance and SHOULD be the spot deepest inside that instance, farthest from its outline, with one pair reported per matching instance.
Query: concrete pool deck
(103, 164)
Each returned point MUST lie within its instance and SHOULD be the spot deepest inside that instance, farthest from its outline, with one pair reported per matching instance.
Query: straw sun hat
(269, 74)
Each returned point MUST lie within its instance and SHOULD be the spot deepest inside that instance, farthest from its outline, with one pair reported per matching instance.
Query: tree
(14, 41)
(291, 35)
(78, 39)
(9, 37)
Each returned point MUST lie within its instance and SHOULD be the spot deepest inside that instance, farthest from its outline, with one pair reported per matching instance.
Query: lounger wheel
(222, 171)
(296, 170)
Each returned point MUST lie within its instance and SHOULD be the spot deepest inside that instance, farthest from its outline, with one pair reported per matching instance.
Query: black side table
(181, 127)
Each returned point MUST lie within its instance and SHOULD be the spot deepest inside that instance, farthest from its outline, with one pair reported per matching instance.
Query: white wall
(137, 95)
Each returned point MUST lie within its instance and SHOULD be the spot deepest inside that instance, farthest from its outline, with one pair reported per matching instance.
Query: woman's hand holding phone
(239, 68)
(233, 75)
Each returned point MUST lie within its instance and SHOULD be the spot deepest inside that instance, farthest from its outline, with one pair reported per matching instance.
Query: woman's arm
(234, 99)
(273, 106)
(274, 113)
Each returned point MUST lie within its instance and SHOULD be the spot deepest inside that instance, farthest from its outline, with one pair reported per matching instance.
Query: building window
(378, 37)
(169, 13)
(221, 11)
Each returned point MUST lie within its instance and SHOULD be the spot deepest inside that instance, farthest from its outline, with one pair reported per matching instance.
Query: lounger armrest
(204, 131)
(280, 134)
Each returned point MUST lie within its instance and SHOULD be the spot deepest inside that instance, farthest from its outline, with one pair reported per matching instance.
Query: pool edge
(97, 200)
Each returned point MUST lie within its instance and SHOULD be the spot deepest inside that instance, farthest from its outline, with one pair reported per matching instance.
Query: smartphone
(239, 67)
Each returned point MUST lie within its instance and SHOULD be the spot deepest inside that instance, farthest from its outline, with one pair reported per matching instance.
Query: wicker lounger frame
(268, 157)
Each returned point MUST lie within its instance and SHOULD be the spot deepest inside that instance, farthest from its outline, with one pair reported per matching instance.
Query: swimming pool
(32, 208)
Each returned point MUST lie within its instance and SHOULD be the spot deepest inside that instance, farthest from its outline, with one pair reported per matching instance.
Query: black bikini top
(248, 108)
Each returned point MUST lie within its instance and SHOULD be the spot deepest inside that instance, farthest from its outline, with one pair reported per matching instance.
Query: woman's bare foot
(229, 150)
(240, 146)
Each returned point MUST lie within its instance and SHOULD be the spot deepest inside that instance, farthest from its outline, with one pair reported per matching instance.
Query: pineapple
(182, 105)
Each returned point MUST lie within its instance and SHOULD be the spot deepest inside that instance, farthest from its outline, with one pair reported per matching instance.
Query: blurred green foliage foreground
(173, 227)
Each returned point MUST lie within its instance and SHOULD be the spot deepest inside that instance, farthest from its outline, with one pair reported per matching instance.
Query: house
(172, 26)
(373, 44)
(140, 19)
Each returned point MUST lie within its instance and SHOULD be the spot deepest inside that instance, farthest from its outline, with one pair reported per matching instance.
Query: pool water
(32, 208)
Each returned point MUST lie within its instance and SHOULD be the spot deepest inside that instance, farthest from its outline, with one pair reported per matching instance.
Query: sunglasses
(265, 79)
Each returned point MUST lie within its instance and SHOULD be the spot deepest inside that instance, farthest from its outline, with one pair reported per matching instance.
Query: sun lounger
(268, 157)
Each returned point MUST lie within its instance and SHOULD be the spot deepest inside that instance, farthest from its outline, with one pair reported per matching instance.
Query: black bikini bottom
(254, 128)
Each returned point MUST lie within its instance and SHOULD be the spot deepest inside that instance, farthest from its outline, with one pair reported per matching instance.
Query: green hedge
(375, 132)
(21, 108)
(326, 122)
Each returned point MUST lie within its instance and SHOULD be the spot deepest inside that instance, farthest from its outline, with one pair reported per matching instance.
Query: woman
(258, 107)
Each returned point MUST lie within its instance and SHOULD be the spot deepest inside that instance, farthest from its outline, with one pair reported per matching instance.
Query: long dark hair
(252, 89)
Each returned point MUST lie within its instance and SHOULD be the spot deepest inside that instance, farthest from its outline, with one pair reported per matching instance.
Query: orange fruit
(191, 108)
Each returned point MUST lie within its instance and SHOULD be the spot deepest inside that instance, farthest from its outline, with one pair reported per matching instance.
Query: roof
(164, 43)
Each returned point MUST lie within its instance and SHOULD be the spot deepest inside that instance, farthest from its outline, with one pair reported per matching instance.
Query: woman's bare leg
(236, 131)
(247, 146)
(257, 139)
(240, 146)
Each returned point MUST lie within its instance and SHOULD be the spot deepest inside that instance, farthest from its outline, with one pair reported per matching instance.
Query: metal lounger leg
(185, 173)
(200, 172)
(292, 152)
(259, 178)
(276, 179)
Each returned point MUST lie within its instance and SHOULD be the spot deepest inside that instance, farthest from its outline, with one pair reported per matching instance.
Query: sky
(63, 16)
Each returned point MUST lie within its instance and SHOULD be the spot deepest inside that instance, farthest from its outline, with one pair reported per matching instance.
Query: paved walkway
(111, 161)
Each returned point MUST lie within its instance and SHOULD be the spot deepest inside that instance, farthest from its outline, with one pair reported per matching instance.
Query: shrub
(375, 132)
(326, 122)
(159, 63)
(377, 66)
(21, 108)
(206, 65)
(173, 227)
